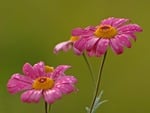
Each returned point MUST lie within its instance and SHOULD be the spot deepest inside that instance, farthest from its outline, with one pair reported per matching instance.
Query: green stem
(89, 67)
(49, 108)
(46, 106)
(98, 82)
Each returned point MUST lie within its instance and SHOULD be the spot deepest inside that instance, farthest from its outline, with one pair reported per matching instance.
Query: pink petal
(91, 43)
(80, 44)
(92, 52)
(116, 46)
(59, 71)
(50, 96)
(132, 28)
(31, 96)
(66, 80)
(116, 22)
(132, 35)
(76, 51)
(57, 93)
(65, 88)
(101, 47)
(119, 22)
(124, 40)
(63, 46)
(77, 31)
(18, 83)
(29, 71)
(89, 30)
(39, 69)
(80, 31)
(108, 21)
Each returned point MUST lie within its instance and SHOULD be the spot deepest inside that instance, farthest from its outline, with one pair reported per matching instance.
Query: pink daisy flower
(113, 32)
(42, 81)
(75, 35)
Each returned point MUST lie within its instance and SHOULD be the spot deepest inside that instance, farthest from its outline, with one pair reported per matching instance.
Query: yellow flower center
(43, 83)
(74, 38)
(105, 31)
(49, 69)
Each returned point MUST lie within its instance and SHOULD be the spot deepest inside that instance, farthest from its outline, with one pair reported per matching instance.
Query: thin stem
(46, 106)
(89, 67)
(98, 82)
(49, 108)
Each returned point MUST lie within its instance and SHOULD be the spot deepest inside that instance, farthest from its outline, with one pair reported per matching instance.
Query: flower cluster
(43, 81)
(113, 32)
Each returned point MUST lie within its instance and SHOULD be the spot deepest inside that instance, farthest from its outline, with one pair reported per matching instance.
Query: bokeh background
(29, 29)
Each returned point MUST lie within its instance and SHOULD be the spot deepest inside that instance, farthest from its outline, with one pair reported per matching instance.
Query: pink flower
(75, 35)
(113, 32)
(42, 81)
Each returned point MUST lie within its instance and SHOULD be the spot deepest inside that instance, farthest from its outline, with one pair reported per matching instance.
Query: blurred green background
(29, 29)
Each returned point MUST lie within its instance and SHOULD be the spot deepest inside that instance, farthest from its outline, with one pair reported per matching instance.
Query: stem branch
(89, 67)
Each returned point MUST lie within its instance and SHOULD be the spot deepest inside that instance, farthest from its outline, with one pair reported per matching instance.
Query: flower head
(42, 81)
(69, 44)
(113, 32)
